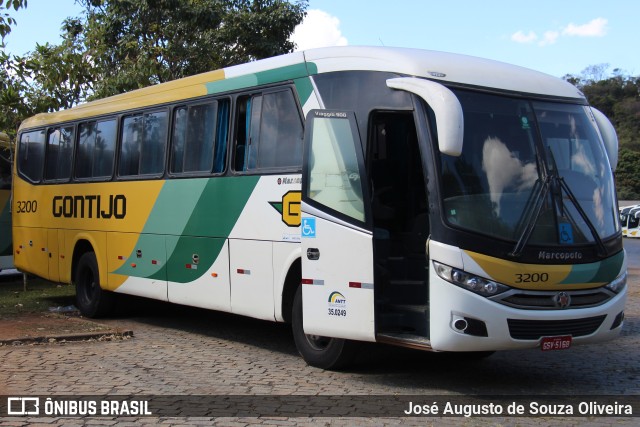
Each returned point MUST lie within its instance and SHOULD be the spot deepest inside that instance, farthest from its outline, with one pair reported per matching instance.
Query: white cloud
(318, 29)
(594, 28)
(521, 37)
(549, 37)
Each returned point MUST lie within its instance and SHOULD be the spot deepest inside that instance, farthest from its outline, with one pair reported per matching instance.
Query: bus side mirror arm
(446, 106)
(609, 137)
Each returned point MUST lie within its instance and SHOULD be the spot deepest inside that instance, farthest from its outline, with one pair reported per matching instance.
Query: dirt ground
(54, 327)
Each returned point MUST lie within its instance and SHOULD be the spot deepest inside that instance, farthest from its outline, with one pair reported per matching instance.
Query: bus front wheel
(91, 299)
(321, 352)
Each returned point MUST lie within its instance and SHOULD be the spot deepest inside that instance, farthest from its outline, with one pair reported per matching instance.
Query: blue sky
(554, 36)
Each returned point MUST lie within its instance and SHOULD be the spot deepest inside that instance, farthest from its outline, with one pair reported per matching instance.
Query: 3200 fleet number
(531, 277)
(28, 206)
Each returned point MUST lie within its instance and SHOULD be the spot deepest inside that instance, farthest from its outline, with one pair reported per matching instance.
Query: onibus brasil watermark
(82, 407)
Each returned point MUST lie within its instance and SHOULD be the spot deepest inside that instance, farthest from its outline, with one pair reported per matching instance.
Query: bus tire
(321, 352)
(91, 299)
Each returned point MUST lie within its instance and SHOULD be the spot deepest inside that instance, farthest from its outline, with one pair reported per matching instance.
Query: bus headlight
(471, 282)
(618, 284)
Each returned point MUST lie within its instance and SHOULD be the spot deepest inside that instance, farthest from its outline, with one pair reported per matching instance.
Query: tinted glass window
(59, 153)
(105, 149)
(529, 172)
(269, 132)
(144, 138)
(280, 132)
(31, 154)
(199, 138)
(131, 142)
(96, 149)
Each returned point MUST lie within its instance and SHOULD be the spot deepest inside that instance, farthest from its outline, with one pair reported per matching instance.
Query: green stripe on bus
(208, 208)
(304, 89)
(290, 72)
(597, 272)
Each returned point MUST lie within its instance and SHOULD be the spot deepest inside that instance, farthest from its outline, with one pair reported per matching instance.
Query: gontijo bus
(417, 198)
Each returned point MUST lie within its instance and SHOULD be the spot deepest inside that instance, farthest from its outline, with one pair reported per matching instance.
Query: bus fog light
(460, 325)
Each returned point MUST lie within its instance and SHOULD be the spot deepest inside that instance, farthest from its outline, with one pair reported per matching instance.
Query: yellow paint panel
(30, 250)
(111, 206)
(189, 87)
(515, 274)
(72, 211)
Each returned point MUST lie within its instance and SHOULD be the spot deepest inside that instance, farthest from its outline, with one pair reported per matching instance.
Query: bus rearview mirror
(445, 105)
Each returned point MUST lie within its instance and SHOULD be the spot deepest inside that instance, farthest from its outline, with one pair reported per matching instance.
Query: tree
(6, 21)
(120, 45)
(618, 97)
(50, 78)
(137, 43)
(628, 175)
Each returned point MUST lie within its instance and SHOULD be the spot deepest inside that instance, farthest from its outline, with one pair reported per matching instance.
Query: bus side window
(247, 132)
(269, 132)
(59, 153)
(200, 138)
(31, 154)
(154, 142)
(243, 123)
(144, 138)
(105, 149)
(96, 149)
(222, 134)
(130, 146)
(281, 132)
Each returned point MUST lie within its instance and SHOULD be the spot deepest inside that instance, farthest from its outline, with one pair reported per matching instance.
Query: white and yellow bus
(629, 220)
(416, 198)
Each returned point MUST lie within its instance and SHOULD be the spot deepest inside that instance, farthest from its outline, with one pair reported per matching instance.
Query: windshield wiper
(554, 183)
(531, 220)
(602, 250)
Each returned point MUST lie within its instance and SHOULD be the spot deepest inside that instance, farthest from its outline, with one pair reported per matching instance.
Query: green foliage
(154, 41)
(6, 21)
(117, 46)
(50, 78)
(628, 175)
(618, 97)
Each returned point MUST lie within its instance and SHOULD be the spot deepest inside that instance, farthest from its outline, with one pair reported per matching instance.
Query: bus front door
(336, 236)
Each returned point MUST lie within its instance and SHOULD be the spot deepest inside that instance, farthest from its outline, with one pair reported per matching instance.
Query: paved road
(183, 351)
(632, 246)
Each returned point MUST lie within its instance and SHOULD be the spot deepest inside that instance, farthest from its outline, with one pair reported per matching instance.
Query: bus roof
(440, 66)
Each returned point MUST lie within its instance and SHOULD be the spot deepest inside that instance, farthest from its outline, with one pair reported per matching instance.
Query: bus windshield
(529, 165)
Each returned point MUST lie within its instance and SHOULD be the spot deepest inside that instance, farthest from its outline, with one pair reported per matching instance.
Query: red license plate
(555, 343)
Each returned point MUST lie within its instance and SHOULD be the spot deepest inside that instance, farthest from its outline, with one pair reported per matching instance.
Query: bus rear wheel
(321, 352)
(91, 299)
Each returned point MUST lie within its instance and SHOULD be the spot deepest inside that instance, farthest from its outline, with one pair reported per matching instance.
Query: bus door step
(405, 340)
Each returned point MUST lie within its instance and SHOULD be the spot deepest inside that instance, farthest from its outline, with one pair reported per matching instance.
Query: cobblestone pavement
(185, 351)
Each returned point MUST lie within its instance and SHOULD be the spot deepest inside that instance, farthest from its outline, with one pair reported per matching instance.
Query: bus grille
(536, 329)
(544, 300)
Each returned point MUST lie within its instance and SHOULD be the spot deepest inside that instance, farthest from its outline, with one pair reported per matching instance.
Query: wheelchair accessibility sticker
(308, 228)
(566, 232)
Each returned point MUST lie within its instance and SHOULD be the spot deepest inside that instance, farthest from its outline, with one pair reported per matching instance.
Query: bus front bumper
(461, 320)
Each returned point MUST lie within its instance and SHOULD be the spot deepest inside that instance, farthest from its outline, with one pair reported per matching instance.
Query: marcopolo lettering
(90, 206)
(559, 256)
